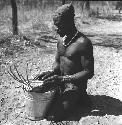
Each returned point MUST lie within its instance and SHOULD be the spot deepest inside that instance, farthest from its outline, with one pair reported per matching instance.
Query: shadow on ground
(101, 105)
(98, 105)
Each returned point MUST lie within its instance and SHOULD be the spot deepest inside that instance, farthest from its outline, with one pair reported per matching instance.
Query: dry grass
(30, 20)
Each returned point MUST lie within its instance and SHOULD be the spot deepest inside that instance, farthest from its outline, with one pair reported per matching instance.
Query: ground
(104, 89)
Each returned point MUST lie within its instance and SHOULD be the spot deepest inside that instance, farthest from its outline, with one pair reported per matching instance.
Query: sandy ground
(104, 89)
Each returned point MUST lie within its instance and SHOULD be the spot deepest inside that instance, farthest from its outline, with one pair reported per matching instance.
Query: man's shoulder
(84, 41)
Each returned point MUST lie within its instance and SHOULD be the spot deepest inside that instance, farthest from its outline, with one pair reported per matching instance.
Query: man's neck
(70, 38)
(70, 35)
(71, 32)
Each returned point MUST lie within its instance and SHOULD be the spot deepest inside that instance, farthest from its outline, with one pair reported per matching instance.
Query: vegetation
(33, 11)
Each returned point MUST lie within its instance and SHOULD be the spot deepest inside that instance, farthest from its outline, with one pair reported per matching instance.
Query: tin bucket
(37, 104)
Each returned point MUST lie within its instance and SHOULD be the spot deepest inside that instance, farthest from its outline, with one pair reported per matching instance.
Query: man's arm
(86, 74)
(56, 64)
(55, 69)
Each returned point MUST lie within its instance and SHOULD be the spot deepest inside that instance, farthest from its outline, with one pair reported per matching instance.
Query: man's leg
(68, 102)
(63, 106)
(56, 110)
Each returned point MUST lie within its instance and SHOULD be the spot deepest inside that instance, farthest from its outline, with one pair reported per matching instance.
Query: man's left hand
(53, 80)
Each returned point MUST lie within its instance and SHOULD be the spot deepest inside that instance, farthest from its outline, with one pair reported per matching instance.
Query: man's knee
(66, 105)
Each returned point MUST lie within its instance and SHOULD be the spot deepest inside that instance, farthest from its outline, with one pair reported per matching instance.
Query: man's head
(64, 19)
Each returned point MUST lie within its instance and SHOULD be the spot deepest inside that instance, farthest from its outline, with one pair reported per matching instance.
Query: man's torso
(72, 57)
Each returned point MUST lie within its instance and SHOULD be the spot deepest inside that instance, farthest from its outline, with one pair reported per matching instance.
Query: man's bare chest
(70, 59)
(71, 52)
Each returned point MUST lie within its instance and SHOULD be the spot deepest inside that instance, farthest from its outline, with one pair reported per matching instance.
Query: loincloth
(74, 87)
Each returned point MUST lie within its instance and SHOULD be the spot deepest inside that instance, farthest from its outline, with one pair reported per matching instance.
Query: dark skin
(75, 60)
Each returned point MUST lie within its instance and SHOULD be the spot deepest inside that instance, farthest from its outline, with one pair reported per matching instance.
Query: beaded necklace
(70, 40)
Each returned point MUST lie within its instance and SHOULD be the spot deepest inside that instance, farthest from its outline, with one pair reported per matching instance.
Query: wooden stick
(20, 76)
(27, 73)
(14, 76)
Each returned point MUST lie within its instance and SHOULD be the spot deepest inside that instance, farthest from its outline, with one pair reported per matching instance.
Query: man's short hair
(65, 12)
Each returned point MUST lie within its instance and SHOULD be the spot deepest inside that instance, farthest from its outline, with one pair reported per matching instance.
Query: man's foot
(85, 102)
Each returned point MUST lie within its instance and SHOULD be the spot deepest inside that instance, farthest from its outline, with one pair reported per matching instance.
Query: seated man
(73, 66)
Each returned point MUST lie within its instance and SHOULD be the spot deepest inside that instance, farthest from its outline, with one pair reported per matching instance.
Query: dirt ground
(104, 89)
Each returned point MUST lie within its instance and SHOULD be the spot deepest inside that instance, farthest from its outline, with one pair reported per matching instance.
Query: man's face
(61, 27)
(63, 19)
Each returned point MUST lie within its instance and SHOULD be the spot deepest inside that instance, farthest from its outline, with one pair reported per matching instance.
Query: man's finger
(37, 89)
(46, 76)
(39, 76)
(48, 80)
(51, 79)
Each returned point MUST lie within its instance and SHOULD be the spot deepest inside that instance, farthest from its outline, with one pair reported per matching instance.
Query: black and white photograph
(60, 62)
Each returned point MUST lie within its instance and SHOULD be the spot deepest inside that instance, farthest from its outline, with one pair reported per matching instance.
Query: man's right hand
(44, 75)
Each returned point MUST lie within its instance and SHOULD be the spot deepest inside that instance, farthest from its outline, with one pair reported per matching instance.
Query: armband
(67, 79)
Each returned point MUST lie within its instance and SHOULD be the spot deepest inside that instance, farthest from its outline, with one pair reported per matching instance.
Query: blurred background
(37, 14)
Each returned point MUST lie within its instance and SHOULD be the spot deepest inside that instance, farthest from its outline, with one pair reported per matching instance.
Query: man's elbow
(91, 74)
